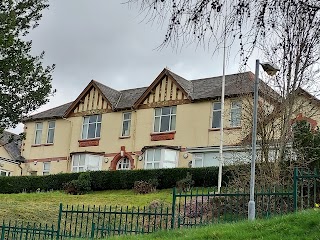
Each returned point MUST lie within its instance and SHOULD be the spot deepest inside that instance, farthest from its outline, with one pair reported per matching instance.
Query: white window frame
(38, 133)
(235, 106)
(123, 162)
(86, 125)
(124, 120)
(160, 161)
(51, 130)
(213, 114)
(7, 173)
(46, 171)
(195, 157)
(172, 114)
(86, 166)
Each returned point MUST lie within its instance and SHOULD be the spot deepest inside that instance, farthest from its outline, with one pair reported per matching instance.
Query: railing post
(59, 221)
(3, 229)
(173, 211)
(295, 189)
(92, 230)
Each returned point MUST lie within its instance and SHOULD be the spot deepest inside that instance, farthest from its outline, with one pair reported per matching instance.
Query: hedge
(112, 180)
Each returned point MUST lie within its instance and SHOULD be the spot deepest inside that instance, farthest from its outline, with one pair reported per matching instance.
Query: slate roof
(111, 94)
(12, 143)
(199, 89)
(129, 97)
(184, 83)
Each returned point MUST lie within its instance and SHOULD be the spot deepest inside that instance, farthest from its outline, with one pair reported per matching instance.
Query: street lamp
(270, 70)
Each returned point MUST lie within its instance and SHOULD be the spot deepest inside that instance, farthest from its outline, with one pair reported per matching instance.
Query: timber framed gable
(163, 91)
(90, 101)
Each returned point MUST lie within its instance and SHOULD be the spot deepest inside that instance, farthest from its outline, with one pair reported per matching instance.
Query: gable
(91, 101)
(164, 91)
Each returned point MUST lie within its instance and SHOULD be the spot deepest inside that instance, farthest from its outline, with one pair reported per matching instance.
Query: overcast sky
(108, 41)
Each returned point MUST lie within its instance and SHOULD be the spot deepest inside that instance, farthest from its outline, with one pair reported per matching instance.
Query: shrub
(71, 187)
(186, 183)
(80, 186)
(143, 187)
(114, 180)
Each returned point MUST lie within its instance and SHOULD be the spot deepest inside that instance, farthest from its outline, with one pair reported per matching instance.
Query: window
(46, 168)
(165, 119)
(197, 160)
(50, 135)
(216, 115)
(38, 133)
(86, 162)
(160, 158)
(4, 173)
(235, 114)
(123, 164)
(91, 127)
(126, 122)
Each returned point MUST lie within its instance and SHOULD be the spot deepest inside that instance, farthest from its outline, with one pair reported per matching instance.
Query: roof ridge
(206, 78)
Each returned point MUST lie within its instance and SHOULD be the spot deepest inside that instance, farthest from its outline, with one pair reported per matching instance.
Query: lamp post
(270, 70)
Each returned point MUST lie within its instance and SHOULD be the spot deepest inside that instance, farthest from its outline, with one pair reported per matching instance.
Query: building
(174, 122)
(10, 158)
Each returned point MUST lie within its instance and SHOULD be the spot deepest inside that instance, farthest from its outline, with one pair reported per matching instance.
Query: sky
(108, 41)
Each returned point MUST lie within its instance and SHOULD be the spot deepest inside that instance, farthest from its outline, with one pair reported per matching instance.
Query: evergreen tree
(306, 143)
(24, 82)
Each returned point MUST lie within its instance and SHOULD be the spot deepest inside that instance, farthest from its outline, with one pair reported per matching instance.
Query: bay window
(160, 158)
(86, 162)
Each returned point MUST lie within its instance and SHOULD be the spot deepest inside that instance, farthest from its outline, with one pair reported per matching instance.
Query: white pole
(222, 107)
(252, 204)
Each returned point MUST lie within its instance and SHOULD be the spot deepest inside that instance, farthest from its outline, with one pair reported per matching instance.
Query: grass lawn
(44, 207)
(301, 226)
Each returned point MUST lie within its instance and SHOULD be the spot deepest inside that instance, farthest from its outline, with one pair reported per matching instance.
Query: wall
(193, 129)
(13, 168)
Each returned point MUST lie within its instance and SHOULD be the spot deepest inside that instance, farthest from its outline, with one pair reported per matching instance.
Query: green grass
(44, 207)
(300, 226)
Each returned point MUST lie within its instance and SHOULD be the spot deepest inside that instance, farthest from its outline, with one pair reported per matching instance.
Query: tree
(287, 32)
(307, 144)
(25, 84)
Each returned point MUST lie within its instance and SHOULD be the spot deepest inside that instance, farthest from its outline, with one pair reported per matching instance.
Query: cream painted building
(174, 122)
(10, 158)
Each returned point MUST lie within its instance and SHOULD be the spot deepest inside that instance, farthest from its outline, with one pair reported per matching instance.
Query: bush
(80, 186)
(186, 183)
(143, 187)
(114, 180)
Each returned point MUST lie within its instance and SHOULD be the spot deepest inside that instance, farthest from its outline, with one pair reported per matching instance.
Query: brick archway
(116, 159)
(313, 123)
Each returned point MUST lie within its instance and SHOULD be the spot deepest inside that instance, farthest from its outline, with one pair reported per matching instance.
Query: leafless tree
(286, 32)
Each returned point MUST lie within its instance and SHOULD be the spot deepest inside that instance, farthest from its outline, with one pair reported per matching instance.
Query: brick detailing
(116, 159)
(88, 143)
(300, 117)
(47, 159)
(162, 136)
